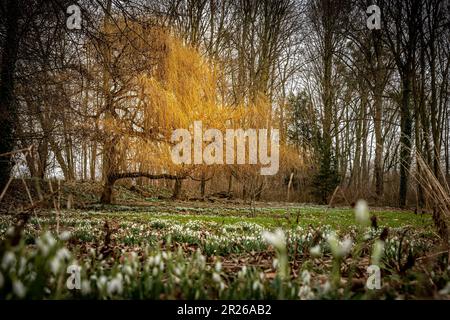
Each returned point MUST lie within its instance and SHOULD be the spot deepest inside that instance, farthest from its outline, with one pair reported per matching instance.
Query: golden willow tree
(153, 84)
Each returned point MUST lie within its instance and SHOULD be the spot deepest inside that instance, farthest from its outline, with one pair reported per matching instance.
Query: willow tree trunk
(177, 189)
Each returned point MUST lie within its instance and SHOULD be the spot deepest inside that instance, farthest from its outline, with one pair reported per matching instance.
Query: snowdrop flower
(63, 254)
(362, 213)
(49, 239)
(101, 282)
(128, 270)
(218, 266)
(242, 272)
(85, 287)
(378, 249)
(157, 259)
(42, 246)
(9, 260)
(445, 290)
(306, 277)
(22, 266)
(326, 287)
(19, 289)
(276, 239)
(177, 271)
(305, 293)
(155, 271)
(216, 277)
(10, 231)
(115, 286)
(346, 246)
(133, 256)
(32, 276)
(315, 251)
(275, 263)
(65, 236)
(257, 285)
(338, 249)
(55, 264)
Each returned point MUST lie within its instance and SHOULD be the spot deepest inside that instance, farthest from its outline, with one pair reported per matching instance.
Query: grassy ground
(197, 236)
(272, 216)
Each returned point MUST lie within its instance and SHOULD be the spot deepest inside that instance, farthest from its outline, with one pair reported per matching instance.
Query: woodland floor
(230, 232)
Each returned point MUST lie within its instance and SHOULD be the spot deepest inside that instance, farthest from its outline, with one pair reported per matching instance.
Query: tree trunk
(107, 194)
(8, 68)
(405, 139)
(203, 185)
(177, 189)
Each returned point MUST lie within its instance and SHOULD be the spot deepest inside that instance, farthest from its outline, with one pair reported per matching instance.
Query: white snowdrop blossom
(85, 287)
(445, 290)
(339, 249)
(63, 254)
(326, 287)
(65, 235)
(362, 213)
(315, 251)
(377, 253)
(22, 266)
(216, 277)
(306, 277)
(305, 293)
(9, 260)
(275, 263)
(276, 239)
(257, 286)
(55, 265)
(218, 266)
(19, 289)
(128, 270)
(115, 286)
(346, 246)
(242, 273)
(101, 282)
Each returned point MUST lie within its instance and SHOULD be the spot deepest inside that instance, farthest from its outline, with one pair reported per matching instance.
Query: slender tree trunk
(203, 185)
(7, 109)
(405, 139)
(177, 189)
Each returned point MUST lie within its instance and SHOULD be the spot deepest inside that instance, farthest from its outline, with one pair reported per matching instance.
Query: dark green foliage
(327, 177)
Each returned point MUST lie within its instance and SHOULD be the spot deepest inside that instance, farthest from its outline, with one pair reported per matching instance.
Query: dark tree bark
(7, 109)
(108, 188)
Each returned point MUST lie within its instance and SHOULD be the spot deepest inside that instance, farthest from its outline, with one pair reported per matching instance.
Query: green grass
(194, 236)
(338, 218)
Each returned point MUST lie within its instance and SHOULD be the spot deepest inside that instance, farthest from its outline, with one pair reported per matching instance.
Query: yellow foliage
(170, 85)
